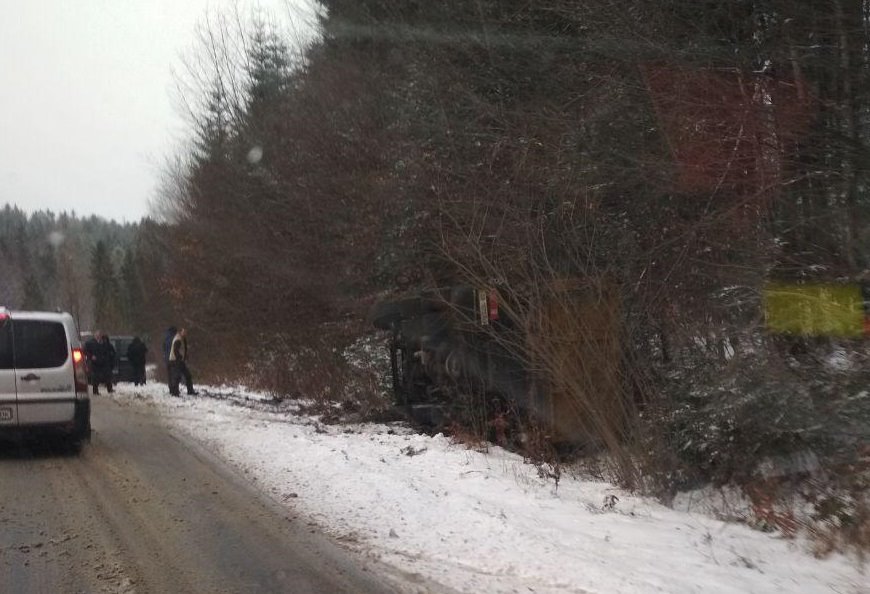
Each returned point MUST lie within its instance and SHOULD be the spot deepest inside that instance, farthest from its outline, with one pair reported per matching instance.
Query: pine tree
(269, 68)
(269, 71)
(105, 288)
(132, 292)
(212, 131)
(34, 297)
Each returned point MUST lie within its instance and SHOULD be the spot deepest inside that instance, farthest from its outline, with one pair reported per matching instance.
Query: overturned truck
(461, 351)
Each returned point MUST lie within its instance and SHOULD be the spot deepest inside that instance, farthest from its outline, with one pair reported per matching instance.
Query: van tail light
(81, 375)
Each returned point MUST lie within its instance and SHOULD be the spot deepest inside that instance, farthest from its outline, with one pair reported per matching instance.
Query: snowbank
(479, 522)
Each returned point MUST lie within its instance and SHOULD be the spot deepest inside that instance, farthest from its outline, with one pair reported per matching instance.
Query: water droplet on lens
(255, 155)
(56, 238)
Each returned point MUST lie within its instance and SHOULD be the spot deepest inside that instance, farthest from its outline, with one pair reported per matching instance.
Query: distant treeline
(83, 265)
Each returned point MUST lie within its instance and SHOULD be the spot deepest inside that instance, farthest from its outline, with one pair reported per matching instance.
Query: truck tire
(386, 314)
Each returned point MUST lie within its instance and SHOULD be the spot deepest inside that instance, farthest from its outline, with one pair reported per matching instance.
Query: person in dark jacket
(108, 358)
(136, 352)
(178, 364)
(100, 355)
(92, 353)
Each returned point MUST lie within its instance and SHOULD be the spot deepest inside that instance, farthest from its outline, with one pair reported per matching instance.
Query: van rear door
(8, 404)
(43, 372)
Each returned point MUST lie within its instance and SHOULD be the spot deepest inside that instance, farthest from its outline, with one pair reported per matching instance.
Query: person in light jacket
(178, 364)
(167, 346)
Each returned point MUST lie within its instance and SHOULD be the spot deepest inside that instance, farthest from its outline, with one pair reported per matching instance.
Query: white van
(43, 381)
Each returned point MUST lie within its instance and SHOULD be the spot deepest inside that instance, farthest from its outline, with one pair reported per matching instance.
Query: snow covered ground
(483, 522)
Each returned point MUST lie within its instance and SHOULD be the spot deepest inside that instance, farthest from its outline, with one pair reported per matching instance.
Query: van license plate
(5, 414)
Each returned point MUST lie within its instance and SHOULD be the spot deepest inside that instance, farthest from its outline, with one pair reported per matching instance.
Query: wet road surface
(140, 510)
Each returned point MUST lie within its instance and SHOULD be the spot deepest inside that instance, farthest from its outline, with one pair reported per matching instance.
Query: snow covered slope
(484, 522)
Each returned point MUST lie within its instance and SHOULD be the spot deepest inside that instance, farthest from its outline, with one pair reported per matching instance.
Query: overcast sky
(87, 113)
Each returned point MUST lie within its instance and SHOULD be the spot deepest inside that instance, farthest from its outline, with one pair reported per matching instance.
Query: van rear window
(6, 361)
(39, 344)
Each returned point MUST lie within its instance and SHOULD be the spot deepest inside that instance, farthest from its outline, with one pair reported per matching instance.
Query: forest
(674, 160)
(87, 266)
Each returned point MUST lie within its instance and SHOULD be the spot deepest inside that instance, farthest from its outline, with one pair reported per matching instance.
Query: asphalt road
(139, 510)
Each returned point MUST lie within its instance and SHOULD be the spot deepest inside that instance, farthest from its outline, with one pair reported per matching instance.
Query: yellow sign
(815, 309)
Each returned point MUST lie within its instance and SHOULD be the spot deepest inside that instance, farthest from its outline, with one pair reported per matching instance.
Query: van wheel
(82, 430)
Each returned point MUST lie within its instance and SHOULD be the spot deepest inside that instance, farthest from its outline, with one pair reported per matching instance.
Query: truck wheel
(453, 364)
(385, 315)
